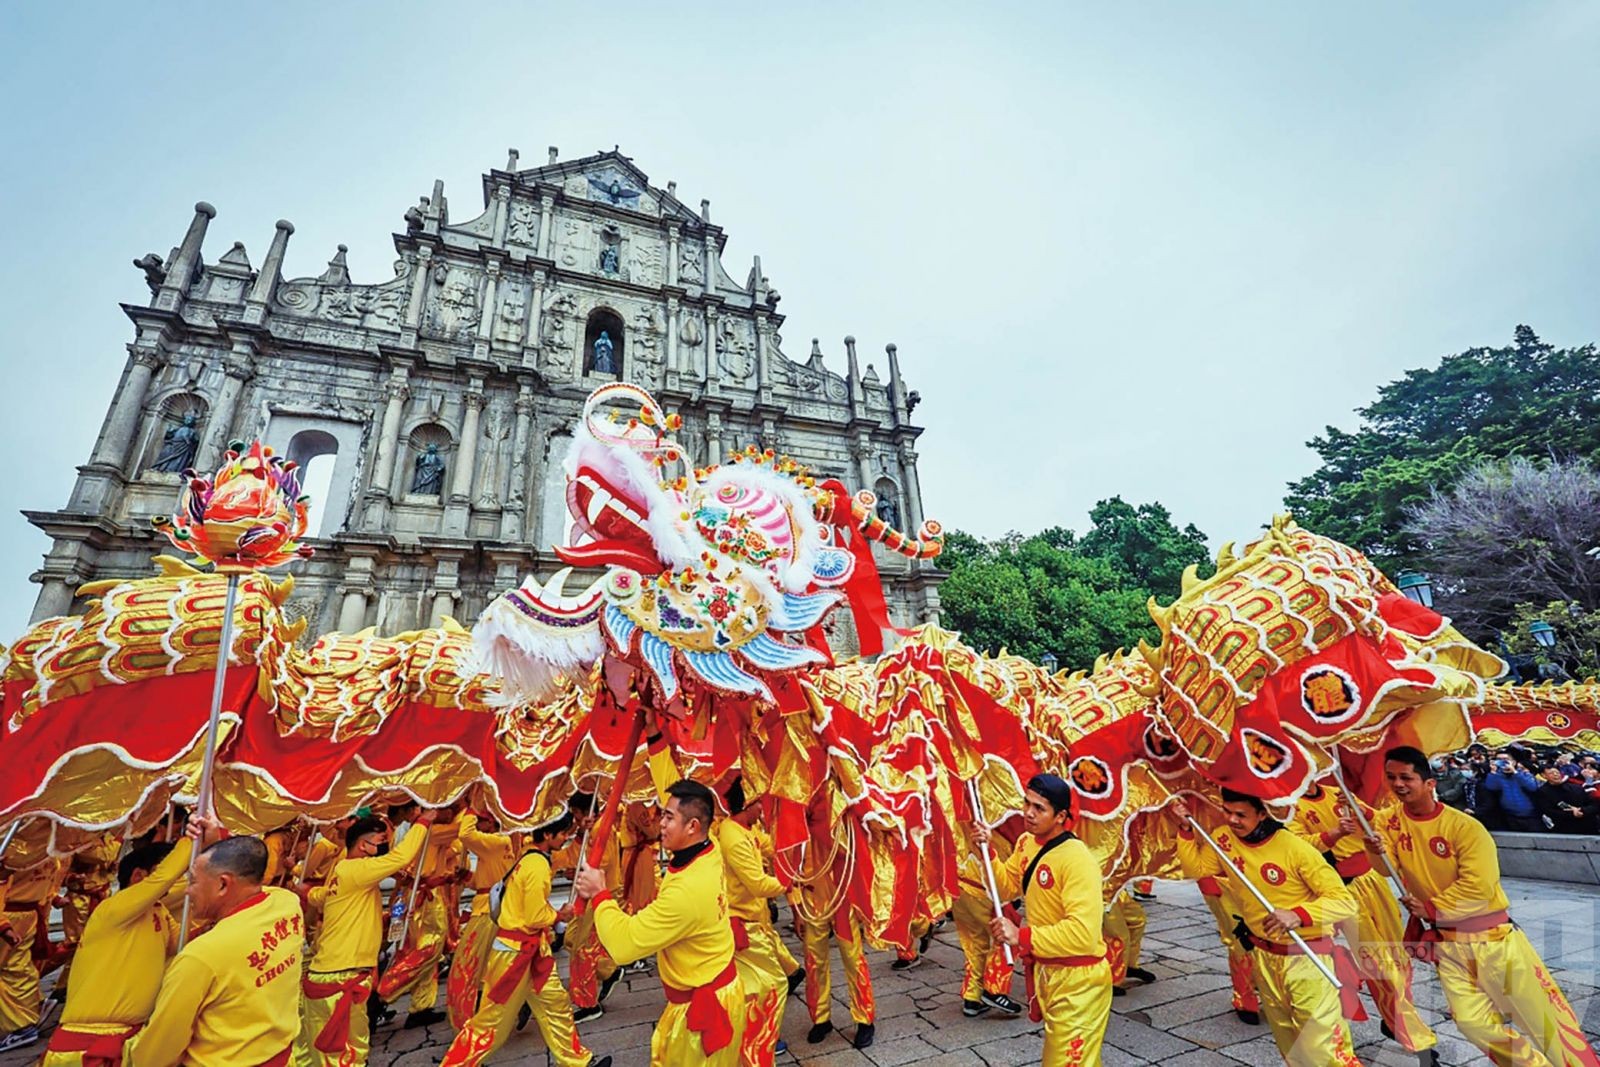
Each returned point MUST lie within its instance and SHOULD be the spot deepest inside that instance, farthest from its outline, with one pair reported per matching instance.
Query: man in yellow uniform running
(986, 978)
(415, 969)
(1377, 933)
(1489, 971)
(1301, 1005)
(120, 960)
(1069, 979)
(522, 968)
(593, 974)
(232, 995)
(495, 854)
(815, 894)
(766, 983)
(334, 1024)
(687, 928)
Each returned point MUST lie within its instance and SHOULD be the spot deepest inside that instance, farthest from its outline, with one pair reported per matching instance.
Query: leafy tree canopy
(1074, 596)
(1428, 429)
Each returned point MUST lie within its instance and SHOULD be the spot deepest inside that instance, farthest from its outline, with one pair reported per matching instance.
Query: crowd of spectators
(1517, 788)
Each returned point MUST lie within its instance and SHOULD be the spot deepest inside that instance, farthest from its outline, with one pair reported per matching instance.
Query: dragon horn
(928, 543)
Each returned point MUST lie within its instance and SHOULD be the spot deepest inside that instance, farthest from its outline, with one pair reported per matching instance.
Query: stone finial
(285, 225)
(511, 160)
(705, 211)
(203, 208)
(672, 188)
(816, 348)
(555, 153)
(184, 263)
(236, 256)
(338, 273)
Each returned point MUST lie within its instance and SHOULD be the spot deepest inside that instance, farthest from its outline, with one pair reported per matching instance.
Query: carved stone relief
(524, 227)
(735, 355)
(453, 313)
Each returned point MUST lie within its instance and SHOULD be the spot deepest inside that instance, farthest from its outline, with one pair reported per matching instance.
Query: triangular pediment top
(609, 178)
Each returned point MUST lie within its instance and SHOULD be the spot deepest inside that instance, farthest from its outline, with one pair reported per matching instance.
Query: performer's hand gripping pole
(988, 861)
(1366, 828)
(203, 806)
(411, 898)
(608, 818)
(1261, 898)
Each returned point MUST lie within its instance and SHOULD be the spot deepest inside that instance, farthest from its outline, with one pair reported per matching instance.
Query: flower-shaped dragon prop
(249, 517)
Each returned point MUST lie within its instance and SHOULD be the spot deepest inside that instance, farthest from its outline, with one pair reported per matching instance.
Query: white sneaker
(20, 1038)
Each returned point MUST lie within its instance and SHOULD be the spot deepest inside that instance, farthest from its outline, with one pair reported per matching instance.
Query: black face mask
(1264, 829)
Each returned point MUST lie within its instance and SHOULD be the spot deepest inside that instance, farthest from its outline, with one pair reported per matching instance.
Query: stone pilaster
(513, 519)
(112, 450)
(546, 208)
(258, 304)
(387, 450)
(181, 270)
(238, 369)
(455, 514)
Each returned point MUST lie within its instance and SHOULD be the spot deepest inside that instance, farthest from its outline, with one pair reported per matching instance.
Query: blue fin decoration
(657, 655)
(801, 612)
(774, 655)
(619, 628)
(719, 670)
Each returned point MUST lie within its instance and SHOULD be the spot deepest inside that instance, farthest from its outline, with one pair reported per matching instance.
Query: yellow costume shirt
(495, 854)
(526, 906)
(1288, 870)
(117, 971)
(352, 907)
(1448, 859)
(1063, 898)
(686, 926)
(1317, 820)
(748, 883)
(232, 996)
(321, 858)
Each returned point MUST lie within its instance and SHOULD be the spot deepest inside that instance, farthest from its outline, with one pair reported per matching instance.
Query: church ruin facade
(436, 407)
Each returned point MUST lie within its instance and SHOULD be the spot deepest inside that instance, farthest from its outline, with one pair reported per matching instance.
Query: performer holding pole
(208, 764)
(988, 861)
(1290, 933)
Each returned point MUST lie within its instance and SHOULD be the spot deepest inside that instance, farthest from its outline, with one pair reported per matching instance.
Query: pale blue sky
(1140, 249)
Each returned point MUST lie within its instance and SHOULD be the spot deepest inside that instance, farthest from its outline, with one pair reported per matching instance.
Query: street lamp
(1048, 661)
(1416, 587)
(1544, 635)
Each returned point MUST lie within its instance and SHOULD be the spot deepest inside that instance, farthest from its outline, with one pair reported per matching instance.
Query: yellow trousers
(314, 1015)
(766, 990)
(491, 1027)
(819, 974)
(1241, 972)
(1303, 1009)
(416, 966)
(1496, 975)
(75, 1059)
(591, 963)
(674, 1044)
(1076, 1004)
(786, 958)
(466, 969)
(1375, 939)
(986, 969)
(1123, 928)
(19, 980)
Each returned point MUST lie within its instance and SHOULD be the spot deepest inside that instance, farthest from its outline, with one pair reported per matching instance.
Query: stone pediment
(610, 178)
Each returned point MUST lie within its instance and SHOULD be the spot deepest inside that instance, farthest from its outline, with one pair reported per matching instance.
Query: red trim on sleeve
(1305, 916)
(1328, 840)
(1025, 940)
(600, 898)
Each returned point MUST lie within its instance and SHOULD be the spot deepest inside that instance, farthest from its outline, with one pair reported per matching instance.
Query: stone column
(713, 440)
(259, 301)
(123, 421)
(219, 422)
(514, 518)
(710, 374)
(674, 242)
(502, 214)
(55, 599)
(419, 288)
(486, 319)
(861, 452)
(455, 517)
(353, 611)
(181, 269)
(387, 451)
(673, 310)
(763, 371)
(546, 205)
(446, 585)
(913, 491)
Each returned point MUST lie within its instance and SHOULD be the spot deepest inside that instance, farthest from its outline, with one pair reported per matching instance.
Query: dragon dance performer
(522, 966)
(1376, 935)
(495, 854)
(986, 978)
(1219, 896)
(769, 862)
(838, 923)
(21, 894)
(592, 972)
(1124, 933)
(1069, 978)
(89, 875)
(640, 844)
(687, 928)
(415, 969)
(231, 995)
(313, 871)
(334, 1025)
(1449, 865)
(1301, 1005)
(120, 960)
(755, 941)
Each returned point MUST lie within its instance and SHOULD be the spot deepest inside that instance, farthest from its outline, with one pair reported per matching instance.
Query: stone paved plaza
(1183, 1020)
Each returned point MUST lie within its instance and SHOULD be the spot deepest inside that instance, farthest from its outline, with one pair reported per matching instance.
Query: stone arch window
(428, 451)
(316, 452)
(602, 344)
(888, 505)
(174, 443)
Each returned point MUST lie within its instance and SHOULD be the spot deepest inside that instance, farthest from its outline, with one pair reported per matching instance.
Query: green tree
(1056, 592)
(1426, 430)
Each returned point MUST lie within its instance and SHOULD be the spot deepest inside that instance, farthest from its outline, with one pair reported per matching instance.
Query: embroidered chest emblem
(1273, 874)
(1045, 878)
(1439, 847)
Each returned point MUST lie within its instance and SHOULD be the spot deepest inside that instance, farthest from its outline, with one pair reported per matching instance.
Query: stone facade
(477, 353)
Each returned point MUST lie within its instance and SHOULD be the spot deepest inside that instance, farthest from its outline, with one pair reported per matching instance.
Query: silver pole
(203, 806)
(305, 864)
(11, 832)
(1366, 828)
(988, 862)
(411, 899)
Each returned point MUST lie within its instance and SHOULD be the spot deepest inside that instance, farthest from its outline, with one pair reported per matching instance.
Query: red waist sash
(98, 1050)
(706, 1016)
(532, 959)
(1354, 865)
(352, 991)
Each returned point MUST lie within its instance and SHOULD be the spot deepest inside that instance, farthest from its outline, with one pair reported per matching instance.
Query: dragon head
(709, 570)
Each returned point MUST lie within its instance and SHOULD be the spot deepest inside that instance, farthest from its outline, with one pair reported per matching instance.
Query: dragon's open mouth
(608, 528)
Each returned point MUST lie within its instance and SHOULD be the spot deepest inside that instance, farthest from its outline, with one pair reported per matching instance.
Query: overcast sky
(1139, 249)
